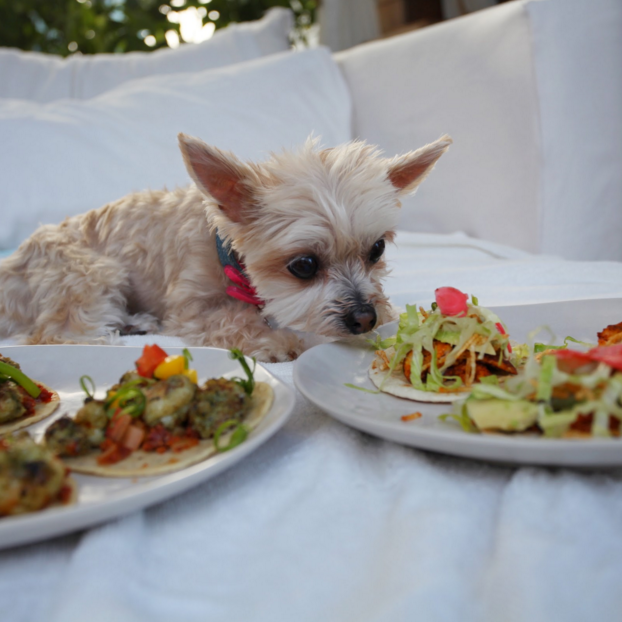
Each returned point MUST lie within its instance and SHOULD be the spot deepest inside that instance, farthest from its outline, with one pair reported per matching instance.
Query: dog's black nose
(361, 320)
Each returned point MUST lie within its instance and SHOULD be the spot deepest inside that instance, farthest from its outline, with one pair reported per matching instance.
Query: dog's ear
(219, 174)
(408, 171)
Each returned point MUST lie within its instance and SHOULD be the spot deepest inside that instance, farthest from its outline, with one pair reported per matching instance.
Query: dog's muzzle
(360, 320)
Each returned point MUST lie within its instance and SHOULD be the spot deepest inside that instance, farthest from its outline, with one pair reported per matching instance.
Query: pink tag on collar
(244, 290)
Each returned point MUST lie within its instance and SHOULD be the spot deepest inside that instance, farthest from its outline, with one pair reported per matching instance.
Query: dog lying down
(245, 258)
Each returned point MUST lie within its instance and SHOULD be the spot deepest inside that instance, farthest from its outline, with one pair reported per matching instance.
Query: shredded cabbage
(561, 397)
(477, 331)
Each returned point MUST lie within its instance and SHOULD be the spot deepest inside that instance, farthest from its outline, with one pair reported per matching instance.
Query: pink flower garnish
(502, 331)
(451, 301)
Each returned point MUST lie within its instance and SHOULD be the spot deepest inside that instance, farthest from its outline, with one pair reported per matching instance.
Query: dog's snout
(360, 320)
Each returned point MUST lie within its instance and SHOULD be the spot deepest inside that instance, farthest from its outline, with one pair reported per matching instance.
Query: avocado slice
(508, 416)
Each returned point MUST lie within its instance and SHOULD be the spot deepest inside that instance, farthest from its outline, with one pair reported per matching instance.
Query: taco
(23, 401)
(438, 355)
(157, 419)
(32, 478)
(565, 393)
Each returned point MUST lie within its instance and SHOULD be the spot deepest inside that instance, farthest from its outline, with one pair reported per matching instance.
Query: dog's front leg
(233, 324)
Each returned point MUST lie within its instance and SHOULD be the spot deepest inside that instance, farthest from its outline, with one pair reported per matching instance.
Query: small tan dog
(246, 257)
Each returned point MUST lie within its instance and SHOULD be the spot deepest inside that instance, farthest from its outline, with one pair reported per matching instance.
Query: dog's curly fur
(150, 261)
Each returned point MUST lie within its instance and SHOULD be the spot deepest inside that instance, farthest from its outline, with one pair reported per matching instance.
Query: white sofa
(531, 92)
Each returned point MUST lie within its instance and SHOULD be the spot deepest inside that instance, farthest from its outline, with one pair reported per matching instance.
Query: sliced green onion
(20, 378)
(238, 435)
(249, 384)
(136, 382)
(187, 358)
(474, 300)
(89, 390)
(353, 386)
(130, 400)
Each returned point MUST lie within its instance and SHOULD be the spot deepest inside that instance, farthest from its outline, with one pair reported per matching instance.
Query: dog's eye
(304, 267)
(376, 251)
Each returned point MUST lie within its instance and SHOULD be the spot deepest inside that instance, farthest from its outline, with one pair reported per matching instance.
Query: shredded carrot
(412, 416)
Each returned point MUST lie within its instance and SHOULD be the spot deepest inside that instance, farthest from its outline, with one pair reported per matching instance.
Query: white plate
(100, 498)
(321, 373)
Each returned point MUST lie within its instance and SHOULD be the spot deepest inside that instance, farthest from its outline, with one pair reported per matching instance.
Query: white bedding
(326, 523)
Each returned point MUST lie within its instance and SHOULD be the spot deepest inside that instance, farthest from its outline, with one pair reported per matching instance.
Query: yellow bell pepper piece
(114, 404)
(170, 366)
(192, 374)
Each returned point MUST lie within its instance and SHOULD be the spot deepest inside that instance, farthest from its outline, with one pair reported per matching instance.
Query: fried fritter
(610, 335)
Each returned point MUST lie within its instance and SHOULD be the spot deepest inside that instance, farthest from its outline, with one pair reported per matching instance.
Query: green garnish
(238, 435)
(187, 358)
(129, 399)
(462, 418)
(90, 391)
(490, 380)
(353, 386)
(8, 371)
(545, 379)
(541, 347)
(474, 300)
(249, 384)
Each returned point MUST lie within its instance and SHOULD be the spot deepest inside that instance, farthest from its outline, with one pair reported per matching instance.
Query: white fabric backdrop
(326, 523)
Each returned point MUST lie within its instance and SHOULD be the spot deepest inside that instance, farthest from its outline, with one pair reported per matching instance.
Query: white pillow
(578, 52)
(471, 78)
(69, 156)
(45, 78)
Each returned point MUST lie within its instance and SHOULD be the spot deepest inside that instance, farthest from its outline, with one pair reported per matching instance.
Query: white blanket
(326, 523)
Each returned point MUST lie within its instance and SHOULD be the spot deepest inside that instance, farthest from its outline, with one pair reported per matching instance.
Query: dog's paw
(279, 346)
(141, 324)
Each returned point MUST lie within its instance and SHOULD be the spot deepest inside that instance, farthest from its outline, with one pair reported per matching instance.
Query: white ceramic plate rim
(146, 491)
(346, 362)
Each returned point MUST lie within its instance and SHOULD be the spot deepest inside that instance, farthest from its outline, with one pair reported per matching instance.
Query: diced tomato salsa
(45, 396)
(151, 357)
(159, 439)
(64, 495)
(583, 423)
(28, 402)
(112, 452)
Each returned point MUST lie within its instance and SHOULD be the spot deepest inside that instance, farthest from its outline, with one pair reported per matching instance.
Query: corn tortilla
(396, 384)
(147, 463)
(42, 410)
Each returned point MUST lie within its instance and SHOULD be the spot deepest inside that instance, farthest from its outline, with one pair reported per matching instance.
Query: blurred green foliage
(94, 26)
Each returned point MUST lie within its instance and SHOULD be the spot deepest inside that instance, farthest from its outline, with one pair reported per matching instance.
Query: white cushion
(69, 156)
(531, 92)
(578, 62)
(472, 78)
(44, 77)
